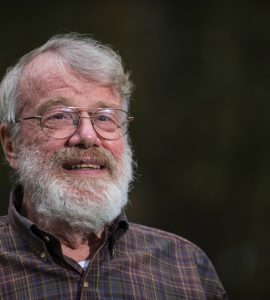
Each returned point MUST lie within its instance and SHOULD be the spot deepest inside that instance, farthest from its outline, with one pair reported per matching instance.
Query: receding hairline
(87, 59)
(31, 82)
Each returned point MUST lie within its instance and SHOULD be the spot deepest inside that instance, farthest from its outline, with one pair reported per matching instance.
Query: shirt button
(86, 284)
(46, 238)
(42, 254)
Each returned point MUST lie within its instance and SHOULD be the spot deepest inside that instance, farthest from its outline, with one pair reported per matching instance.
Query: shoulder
(169, 246)
(4, 222)
(166, 244)
(178, 254)
(7, 233)
(5, 228)
(153, 235)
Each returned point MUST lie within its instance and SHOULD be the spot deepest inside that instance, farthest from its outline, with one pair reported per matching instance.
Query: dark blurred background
(202, 130)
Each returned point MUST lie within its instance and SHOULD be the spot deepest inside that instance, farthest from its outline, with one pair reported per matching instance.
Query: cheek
(32, 137)
(115, 147)
(30, 134)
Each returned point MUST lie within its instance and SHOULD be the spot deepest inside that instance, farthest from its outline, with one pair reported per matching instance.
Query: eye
(105, 120)
(52, 119)
(103, 117)
(60, 116)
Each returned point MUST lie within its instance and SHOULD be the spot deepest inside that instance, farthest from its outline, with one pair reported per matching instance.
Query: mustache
(102, 156)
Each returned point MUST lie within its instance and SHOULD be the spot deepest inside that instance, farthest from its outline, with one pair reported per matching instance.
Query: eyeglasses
(62, 122)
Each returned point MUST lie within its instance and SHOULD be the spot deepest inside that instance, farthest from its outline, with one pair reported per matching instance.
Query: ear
(8, 145)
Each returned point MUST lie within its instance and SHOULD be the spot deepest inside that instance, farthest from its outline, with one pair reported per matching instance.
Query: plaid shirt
(135, 262)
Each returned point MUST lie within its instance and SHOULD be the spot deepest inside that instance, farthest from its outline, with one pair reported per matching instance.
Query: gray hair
(84, 55)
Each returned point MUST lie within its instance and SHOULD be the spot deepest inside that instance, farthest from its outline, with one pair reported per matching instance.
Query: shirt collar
(114, 230)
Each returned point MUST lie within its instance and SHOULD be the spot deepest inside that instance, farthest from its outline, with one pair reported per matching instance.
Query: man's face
(83, 179)
(52, 84)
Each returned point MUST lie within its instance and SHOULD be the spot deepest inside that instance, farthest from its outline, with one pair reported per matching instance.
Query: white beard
(84, 204)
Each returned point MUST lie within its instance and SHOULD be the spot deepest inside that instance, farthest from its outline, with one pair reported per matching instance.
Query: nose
(85, 135)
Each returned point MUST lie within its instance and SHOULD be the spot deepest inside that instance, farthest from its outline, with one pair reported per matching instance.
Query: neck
(76, 243)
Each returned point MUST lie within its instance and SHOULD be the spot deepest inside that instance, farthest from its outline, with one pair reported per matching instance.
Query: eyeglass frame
(80, 109)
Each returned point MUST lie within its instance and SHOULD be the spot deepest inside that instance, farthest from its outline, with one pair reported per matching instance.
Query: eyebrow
(103, 104)
(61, 101)
(53, 102)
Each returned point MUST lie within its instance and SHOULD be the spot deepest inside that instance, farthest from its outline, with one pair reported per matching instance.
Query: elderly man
(64, 119)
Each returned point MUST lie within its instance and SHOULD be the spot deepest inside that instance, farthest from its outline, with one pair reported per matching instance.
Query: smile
(84, 164)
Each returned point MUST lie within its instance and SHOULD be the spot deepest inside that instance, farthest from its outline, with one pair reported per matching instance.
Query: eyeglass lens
(62, 122)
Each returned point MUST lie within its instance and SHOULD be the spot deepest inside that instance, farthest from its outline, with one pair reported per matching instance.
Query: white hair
(82, 54)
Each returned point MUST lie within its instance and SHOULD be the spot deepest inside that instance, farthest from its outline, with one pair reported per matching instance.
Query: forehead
(47, 78)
